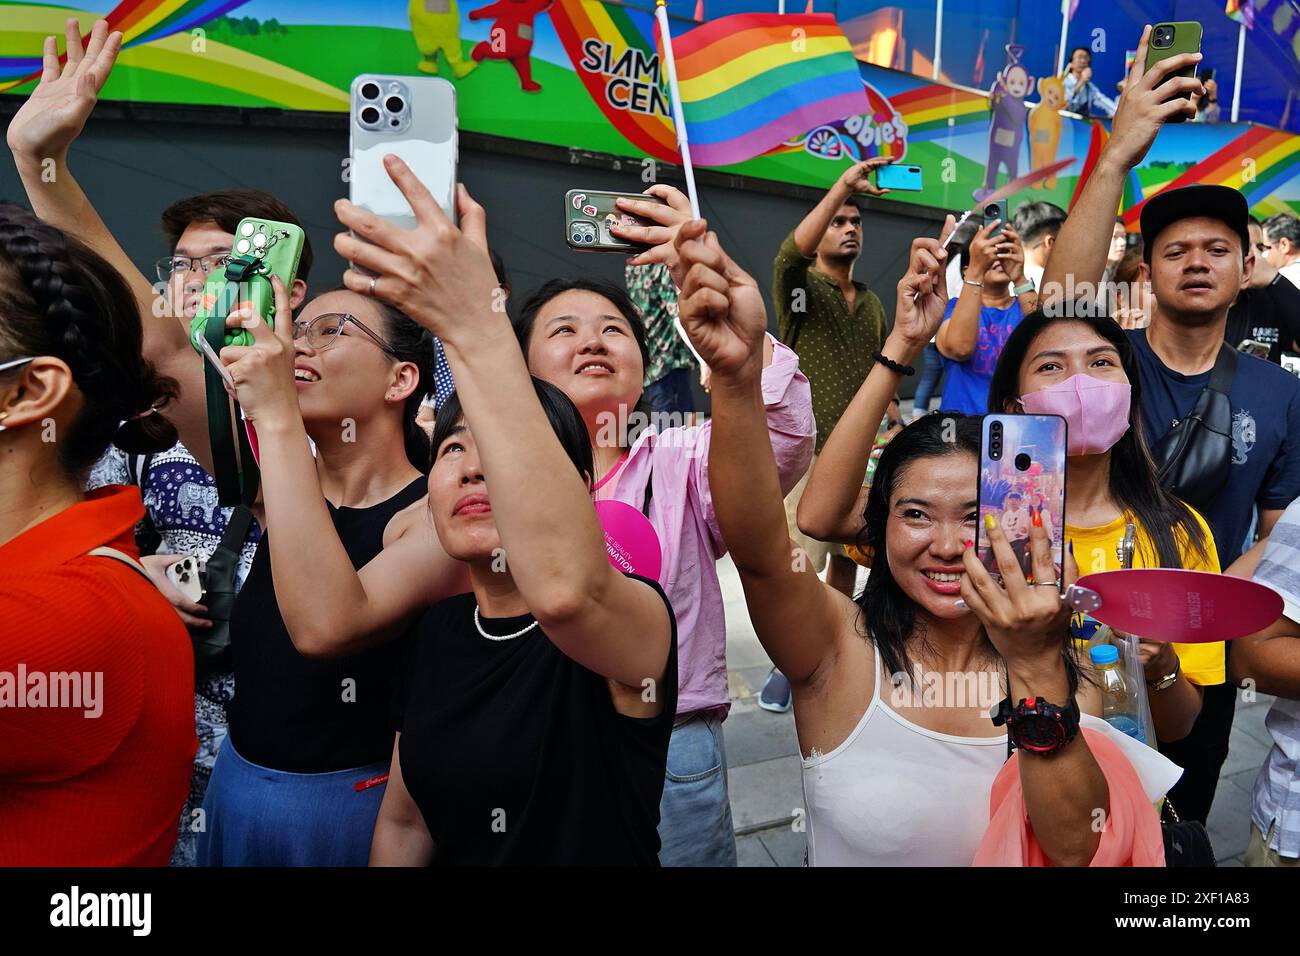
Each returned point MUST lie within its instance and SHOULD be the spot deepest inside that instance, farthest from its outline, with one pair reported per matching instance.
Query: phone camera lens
(369, 115)
(394, 104)
(1023, 462)
(370, 91)
(992, 212)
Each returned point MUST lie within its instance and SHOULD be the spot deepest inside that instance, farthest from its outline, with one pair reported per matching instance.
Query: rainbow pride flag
(751, 81)
(1243, 11)
(140, 22)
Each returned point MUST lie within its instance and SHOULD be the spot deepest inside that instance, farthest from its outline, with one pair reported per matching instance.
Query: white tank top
(896, 794)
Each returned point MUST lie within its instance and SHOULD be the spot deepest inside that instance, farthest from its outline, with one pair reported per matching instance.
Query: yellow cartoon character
(1045, 126)
(436, 25)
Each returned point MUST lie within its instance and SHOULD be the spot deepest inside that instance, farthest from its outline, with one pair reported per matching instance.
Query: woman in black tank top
(539, 707)
(301, 774)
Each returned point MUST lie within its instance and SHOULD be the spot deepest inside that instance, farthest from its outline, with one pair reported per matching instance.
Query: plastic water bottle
(1119, 700)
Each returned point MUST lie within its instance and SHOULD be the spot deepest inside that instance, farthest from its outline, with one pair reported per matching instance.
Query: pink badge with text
(630, 539)
(1187, 607)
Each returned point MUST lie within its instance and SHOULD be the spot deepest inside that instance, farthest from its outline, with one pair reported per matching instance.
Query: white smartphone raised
(413, 118)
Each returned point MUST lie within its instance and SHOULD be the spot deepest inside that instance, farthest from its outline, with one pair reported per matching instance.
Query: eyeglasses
(14, 363)
(324, 330)
(168, 265)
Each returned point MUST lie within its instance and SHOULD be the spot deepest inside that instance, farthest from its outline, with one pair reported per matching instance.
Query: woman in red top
(96, 670)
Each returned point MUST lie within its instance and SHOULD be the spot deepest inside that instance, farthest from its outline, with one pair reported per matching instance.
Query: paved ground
(763, 757)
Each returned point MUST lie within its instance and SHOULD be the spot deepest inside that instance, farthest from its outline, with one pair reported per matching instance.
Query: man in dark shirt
(835, 324)
(1268, 309)
(1197, 247)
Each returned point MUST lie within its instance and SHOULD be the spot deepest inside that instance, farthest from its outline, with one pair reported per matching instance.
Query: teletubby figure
(511, 37)
(1045, 126)
(1007, 127)
(436, 26)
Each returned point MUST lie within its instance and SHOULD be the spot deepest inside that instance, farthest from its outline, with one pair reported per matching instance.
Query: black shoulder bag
(212, 645)
(1193, 459)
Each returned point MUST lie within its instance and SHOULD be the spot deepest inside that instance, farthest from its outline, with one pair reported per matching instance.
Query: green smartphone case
(1186, 39)
(588, 215)
(1004, 214)
(262, 248)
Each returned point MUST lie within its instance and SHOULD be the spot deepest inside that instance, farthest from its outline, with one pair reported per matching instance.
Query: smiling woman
(587, 337)
(309, 740)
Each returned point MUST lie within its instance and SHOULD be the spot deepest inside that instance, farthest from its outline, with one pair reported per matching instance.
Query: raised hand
(54, 115)
(1027, 623)
(720, 305)
(857, 178)
(263, 372)
(983, 250)
(1147, 104)
(922, 297)
(1011, 254)
(667, 218)
(438, 274)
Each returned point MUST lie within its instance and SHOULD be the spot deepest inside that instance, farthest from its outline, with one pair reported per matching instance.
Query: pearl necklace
(500, 637)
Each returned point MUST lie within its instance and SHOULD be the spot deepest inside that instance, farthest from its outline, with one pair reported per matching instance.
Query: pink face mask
(1095, 411)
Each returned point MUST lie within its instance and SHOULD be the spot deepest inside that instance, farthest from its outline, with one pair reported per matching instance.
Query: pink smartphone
(1022, 482)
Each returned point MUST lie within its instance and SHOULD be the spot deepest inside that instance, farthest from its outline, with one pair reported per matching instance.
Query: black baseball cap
(1214, 202)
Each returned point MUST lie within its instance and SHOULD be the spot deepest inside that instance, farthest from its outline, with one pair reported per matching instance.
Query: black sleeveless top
(515, 754)
(305, 715)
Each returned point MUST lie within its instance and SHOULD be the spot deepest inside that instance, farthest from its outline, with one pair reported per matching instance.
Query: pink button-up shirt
(676, 461)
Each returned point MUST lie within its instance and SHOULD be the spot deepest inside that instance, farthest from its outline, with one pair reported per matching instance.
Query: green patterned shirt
(835, 346)
(653, 293)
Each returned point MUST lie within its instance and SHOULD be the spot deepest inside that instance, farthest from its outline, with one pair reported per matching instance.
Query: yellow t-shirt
(1095, 551)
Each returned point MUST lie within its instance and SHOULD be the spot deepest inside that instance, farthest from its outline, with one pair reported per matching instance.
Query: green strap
(233, 488)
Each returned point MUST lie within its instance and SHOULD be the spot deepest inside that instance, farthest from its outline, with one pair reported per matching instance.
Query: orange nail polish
(1037, 519)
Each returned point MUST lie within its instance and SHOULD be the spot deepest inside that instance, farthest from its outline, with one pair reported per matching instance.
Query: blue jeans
(695, 827)
(926, 385)
(672, 393)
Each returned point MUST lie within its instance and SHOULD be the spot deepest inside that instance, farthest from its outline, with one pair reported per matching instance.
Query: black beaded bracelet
(891, 364)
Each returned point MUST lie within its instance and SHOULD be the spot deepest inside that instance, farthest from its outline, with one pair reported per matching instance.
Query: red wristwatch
(1038, 727)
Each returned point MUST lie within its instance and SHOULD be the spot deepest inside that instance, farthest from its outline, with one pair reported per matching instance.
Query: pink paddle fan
(1169, 604)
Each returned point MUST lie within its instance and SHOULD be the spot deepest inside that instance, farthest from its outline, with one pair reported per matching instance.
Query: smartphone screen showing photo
(1022, 483)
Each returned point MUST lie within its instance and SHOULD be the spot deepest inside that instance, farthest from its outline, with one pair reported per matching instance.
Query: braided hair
(58, 298)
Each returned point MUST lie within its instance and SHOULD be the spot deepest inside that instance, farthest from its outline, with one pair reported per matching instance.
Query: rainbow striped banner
(141, 21)
(751, 81)
(1257, 162)
(614, 54)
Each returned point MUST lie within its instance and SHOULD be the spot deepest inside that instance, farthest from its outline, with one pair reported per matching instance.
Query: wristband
(889, 363)
(1028, 286)
(978, 285)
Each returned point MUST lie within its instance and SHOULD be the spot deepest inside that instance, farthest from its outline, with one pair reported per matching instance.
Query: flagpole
(1241, 58)
(938, 37)
(679, 119)
(1065, 27)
